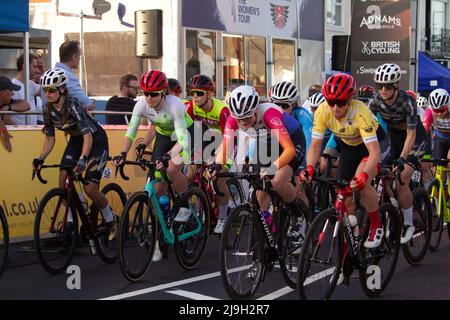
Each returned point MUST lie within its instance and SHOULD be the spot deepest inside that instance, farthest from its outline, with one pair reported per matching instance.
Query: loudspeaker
(148, 27)
(341, 53)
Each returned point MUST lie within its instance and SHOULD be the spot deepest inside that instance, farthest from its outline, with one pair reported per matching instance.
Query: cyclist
(438, 117)
(264, 122)
(422, 102)
(174, 87)
(358, 133)
(315, 101)
(366, 93)
(168, 119)
(212, 115)
(88, 143)
(407, 135)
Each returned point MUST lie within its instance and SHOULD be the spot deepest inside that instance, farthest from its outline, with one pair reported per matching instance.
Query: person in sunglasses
(267, 124)
(211, 114)
(88, 143)
(408, 139)
(358, 133)
(169, 125)
(129, 89)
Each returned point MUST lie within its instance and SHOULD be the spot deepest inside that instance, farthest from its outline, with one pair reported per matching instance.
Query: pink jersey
(441, 125)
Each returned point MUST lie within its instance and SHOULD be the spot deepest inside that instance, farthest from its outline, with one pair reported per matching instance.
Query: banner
(278, 18)
(381, 31)
(20, 197)
(14, 16)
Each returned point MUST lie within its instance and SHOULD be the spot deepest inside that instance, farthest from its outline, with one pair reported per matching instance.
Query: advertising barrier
(19, 196)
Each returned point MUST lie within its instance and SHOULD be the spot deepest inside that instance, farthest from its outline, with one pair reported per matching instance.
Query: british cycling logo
(380, 47)
(279, 15)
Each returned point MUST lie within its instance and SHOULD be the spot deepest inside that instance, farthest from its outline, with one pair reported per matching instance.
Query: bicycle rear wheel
(189, 252)
(321, 257)
(241, 253)
(4, 240)
(291, 239)
(55, 238)
(136, 237)
(417, 247)
(437, 225)
(384, 257)
(107, 249)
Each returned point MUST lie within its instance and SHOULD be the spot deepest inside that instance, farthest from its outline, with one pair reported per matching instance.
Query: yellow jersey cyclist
(408, 139)
(358, 133)
(169, 128)
(88, 143)
(267, 124)
(210, 114)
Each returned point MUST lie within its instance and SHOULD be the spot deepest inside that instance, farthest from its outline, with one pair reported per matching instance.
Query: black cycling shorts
(97, 159)
(441, 148)
(349, 160)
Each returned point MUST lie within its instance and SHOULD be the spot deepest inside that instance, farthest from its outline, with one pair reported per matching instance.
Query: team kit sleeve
(178, 113)
(224, 115)
(428, 120)
(319, 124)
(49, 128)
(273, 121)
(367, 125)
(139, 111)
(411, 117)
(82, 121)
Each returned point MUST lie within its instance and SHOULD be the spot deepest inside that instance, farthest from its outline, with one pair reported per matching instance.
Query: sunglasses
(247, 119)
(442, 110)
(283, 105)
(198, 93)
(387, 86)
(152, 93)
(50, 90)
(339, 103)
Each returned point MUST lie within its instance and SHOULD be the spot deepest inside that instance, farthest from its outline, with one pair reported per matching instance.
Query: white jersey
(20, 95)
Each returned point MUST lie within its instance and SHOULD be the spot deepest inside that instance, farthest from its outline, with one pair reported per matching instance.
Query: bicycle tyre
(4, 241)
(240, 192)
(242, 219)
(142, 236)
(190, 251)
(389, 248)
(316, 233)
(437, 225)
(65, 243)
(421, 197)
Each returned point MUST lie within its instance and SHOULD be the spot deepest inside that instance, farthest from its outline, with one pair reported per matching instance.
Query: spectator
(34, 90)
(175, 87)
(129, 88)
(8, 104)
(315, 88)
(40, 100)
(69, 56)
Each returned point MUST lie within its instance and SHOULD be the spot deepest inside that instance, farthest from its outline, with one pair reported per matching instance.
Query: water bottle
(84, 202)
(164, 203)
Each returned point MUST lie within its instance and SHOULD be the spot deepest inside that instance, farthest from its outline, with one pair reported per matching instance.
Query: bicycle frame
(441, 173)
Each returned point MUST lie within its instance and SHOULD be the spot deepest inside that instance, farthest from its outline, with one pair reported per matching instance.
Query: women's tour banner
(381, 31)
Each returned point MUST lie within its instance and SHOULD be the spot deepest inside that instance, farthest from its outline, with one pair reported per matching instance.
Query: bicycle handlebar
(437, 161)
(78, 177)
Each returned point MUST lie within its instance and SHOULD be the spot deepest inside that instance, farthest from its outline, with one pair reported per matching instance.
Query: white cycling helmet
(387, 73)
(55, 77)
(284, 92)
(316, 100)
(439, 99)
(422, 102)
(243, 102)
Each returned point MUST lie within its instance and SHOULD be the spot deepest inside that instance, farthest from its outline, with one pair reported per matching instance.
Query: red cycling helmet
(366, 92)
(201, 82)
(153, 80)
(412, 94)
(174, 86)
(340, 87)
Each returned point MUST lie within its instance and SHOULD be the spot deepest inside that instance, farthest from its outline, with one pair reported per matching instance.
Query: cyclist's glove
(81, 164)
(37, 162)
(400, 164)
(361, 180)
(165, 160)
(120, 158)
(140, 149)
(307, 173)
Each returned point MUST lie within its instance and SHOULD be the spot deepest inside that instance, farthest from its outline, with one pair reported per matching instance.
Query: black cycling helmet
(174, 86)
(201, 82)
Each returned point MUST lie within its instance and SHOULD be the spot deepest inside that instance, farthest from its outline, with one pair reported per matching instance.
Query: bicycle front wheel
(136, 237)
(437, 224)
(417, 247)
(189, 251)
(4, 240)
(321, 257)
(55, 232)
(241, 253)
(380, 262)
